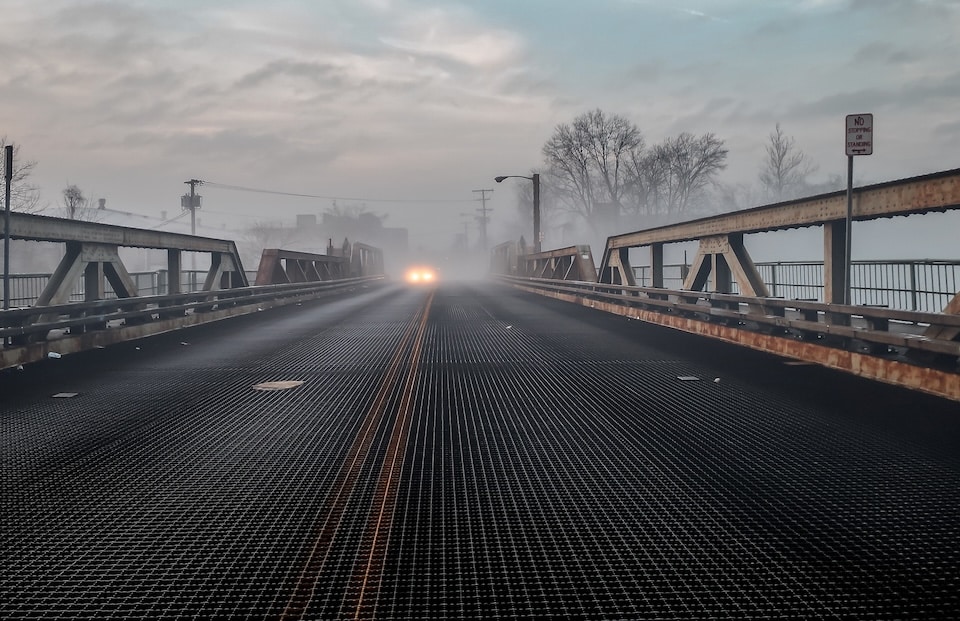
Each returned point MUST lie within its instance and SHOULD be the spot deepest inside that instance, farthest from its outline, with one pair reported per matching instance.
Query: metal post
(193, 230)
(483, 218)
(8, 175)
(847, 284)
(913, 285)
(536, 212)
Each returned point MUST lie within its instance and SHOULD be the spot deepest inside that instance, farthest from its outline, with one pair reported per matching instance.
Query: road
(468, 451)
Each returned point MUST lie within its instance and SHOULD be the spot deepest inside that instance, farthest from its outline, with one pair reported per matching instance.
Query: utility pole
(192, 202)
(466, 230)
(536, 212)
(8, 175)
(483, 218)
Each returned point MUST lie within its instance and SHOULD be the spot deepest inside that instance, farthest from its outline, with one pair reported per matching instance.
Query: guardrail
(918, 285)
(36, 332)
(25, 289)
(909, 348)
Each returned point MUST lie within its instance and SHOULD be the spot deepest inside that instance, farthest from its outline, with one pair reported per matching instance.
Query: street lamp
(536, 205)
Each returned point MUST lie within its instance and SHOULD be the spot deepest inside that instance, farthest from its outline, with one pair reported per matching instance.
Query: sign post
(8, 177)
(859, 141)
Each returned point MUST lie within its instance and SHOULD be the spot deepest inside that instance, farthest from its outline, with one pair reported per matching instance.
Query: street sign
(859, 136)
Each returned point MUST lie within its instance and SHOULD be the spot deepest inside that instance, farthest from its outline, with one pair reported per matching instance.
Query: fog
(406, 108)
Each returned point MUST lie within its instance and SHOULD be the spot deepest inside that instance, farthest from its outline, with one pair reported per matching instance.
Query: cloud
(885, 53)
(442, 35)
(946, 135)
(903, 96)
(702, 15)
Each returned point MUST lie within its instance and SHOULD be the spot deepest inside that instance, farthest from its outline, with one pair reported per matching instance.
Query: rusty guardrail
(36, 332)
(913, 349)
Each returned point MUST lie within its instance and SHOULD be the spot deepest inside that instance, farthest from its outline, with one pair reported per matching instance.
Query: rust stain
(348, 475)
(932, 381)
(367, 579)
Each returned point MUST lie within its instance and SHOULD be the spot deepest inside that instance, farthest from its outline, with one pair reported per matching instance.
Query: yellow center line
(384, 503)
(346, 480)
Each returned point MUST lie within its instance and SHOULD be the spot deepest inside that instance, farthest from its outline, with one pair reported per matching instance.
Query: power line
(169, 220)
(240, 188)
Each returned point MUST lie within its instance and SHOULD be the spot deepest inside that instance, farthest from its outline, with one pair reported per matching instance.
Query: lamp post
(536, 205)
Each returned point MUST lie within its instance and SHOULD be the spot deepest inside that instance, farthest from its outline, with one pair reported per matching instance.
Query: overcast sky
(431, 99)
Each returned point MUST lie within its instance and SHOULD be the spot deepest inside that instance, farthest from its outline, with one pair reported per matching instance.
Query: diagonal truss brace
(727, 260)
(223, 273)
(94, 261)
(616, 268)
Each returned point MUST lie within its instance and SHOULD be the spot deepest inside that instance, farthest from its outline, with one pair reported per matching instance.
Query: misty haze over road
(385, 101)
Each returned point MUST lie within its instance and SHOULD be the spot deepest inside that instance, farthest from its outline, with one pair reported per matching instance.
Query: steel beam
(616, 269)
(174, 271)
(45, 228)
(936, 192)
(834, 257)
(61, 282)
(656, 265)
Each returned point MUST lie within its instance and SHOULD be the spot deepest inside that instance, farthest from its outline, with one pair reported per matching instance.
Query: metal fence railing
(917, 285)
(25, 289)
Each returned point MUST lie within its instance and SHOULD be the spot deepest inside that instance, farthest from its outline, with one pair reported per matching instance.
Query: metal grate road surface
(469, 451)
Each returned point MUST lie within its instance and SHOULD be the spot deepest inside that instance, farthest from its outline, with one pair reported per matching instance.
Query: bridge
(548, 442)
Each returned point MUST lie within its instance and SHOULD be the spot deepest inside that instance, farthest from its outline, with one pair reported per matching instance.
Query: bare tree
(74, 203)
(76, 206)
(683, 167)
(23, 195)
(568, 167)
(610, 140)
(588, 161)
(785, 168)
(648, 177)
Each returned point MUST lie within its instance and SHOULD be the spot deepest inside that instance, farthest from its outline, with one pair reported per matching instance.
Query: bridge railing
(910, 348)
(723, 264)
(32, 333)
(25, 289)
(917, 285)
(724, 294)
(116, 305)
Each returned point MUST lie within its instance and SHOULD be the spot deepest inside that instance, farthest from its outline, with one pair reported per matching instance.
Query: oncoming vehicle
(420, 275)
